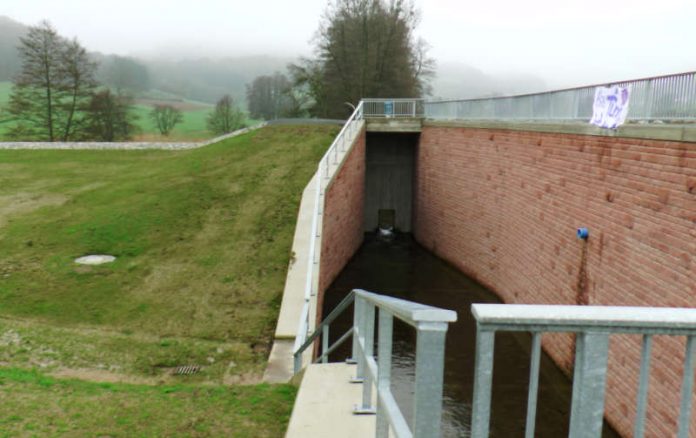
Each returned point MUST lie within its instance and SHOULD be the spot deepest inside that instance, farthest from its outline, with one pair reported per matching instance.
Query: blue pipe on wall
(583, 233)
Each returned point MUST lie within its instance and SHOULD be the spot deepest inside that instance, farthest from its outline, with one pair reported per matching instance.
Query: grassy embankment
(192, 128)
(202, 240)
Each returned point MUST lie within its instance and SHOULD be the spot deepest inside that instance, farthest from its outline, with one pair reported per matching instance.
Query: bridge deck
(325, 402)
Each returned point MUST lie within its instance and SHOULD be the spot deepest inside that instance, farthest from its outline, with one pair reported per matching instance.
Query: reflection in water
(401, 268)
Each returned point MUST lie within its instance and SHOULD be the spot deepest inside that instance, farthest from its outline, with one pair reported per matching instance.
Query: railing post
(368, 351)
(644, 379)
(589, 378)
(325, 344)
(687, 388)
(297, 363)
(483, 379)
(430, 363)
(357, 333)
(384, 359)
(532, 391)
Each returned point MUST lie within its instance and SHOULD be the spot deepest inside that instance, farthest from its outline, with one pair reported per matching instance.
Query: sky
(565, 42)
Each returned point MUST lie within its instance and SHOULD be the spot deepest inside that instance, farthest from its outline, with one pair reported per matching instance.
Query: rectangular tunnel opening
(389, 174)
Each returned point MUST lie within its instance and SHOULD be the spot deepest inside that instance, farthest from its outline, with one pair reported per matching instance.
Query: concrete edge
(668, 132)
(280, 367)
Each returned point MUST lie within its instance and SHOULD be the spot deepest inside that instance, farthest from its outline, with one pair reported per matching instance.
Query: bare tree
(365, 48)
(269, 97)
(166, 117)
(77, 85)
(54, 85)
(226, 117)
(33, 99)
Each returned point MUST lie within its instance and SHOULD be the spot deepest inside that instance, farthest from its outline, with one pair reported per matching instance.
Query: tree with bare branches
(54, 86)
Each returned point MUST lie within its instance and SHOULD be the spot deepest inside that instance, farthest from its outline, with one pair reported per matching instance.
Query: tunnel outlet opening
(389, 181)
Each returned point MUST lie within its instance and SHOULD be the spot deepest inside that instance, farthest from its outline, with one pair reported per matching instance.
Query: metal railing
(322, 177)
(367, 108)
(431, 327)
(396, 108)
(592, 325)
(671, 97)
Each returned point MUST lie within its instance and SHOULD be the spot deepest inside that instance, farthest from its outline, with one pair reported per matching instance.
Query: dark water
(403, 269)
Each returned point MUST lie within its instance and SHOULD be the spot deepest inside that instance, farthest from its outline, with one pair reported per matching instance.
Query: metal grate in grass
(187, 370)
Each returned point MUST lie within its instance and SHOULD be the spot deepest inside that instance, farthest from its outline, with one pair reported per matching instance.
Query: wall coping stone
(685, 132)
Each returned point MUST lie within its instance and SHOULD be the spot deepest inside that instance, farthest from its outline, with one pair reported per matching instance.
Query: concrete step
(324, 405)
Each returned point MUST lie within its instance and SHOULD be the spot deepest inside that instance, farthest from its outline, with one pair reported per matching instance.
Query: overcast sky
(565, 42)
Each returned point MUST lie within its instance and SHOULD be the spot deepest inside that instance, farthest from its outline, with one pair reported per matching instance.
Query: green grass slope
(34, 404)
(202, 240)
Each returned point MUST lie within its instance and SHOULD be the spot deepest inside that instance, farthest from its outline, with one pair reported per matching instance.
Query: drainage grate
(187, 370)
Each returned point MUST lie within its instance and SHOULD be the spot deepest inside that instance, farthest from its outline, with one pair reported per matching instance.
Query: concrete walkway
(324, 405)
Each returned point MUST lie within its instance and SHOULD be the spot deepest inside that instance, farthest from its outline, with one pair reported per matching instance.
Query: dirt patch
(250, 378)
(104, 376)
(22, 203)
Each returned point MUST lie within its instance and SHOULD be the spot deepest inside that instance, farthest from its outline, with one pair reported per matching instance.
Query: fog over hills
(462, 81)
(10, 32)
(206, 78)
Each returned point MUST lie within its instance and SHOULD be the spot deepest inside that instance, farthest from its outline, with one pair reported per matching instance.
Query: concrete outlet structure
(503, 206)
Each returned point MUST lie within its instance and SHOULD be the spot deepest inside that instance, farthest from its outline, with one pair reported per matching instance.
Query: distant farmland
(192, 128)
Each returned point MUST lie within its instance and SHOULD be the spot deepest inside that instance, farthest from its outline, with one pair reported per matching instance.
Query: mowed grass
(202, 240)
(34, 404)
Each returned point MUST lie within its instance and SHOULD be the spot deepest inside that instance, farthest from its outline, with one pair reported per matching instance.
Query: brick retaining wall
(503, 206)
(342, 220)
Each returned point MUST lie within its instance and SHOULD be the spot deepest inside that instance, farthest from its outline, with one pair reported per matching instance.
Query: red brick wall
(342, 228)
(503, 206)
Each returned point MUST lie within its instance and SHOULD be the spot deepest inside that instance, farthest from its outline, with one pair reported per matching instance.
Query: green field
(202, 239)
(193, 127)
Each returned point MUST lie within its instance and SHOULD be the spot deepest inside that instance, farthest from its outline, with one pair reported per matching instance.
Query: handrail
(431, 327)
(366, 108)
(321, 178)
(393, 108)
(669, 97)
(592, 325)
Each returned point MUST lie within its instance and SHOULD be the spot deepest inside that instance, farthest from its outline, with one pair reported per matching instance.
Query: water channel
(400, 267)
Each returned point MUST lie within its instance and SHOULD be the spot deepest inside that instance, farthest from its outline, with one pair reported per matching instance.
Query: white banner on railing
(610, 106)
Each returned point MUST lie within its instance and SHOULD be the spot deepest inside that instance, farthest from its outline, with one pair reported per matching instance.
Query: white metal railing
(322, 177)
(671, 97)
(431, 328)
(396, 108)
(592, 325)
